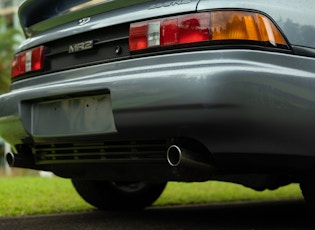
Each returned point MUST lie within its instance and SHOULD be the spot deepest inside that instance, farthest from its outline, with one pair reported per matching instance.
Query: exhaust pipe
(174, 155)
(23, 161)
(189, 166)
(10, 159)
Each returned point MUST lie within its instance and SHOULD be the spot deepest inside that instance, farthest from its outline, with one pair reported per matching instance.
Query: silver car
(124, 96)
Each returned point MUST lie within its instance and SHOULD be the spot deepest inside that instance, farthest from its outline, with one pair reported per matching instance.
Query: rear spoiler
(40, 15)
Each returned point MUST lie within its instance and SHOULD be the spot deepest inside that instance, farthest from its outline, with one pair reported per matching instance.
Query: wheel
(307, 186)
(118, 196)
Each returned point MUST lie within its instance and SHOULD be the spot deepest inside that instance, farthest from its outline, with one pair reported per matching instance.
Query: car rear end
(164, 90)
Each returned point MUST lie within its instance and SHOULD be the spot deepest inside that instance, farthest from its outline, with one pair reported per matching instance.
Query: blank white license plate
(75, 116)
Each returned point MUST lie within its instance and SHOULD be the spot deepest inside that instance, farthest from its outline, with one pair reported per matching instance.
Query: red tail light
(200, 27)
(28, 61)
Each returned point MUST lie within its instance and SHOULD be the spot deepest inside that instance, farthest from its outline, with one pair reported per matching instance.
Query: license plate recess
(72, 116)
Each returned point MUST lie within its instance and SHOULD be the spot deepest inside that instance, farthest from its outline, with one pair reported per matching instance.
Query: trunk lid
(65, 17)
(87, 32)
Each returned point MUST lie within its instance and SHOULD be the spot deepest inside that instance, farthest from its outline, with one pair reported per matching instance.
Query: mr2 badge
(78, 47)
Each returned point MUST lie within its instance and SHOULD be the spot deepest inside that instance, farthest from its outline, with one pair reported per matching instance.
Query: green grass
(32, 195)
(214, 191)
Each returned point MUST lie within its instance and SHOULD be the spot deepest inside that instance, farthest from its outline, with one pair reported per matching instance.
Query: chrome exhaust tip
(189, 165)
(10, 158)
(174, 155)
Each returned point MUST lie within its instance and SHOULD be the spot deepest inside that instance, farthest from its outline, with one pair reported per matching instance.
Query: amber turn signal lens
(239, 25)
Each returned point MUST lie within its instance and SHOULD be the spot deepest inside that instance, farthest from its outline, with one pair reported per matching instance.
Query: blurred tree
(9, 38)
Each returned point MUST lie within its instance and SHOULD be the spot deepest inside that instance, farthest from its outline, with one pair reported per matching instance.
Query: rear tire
(307, 186)
(118, 196)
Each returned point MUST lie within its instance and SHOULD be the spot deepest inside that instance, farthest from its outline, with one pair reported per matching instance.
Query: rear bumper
(231, 101)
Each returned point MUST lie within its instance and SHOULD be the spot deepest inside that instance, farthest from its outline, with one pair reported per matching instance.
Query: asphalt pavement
(289, 214)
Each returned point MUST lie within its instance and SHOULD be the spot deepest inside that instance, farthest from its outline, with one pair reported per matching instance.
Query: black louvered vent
(102, 152)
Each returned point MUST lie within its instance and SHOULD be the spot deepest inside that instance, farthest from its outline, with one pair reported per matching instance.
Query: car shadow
(285, 214)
